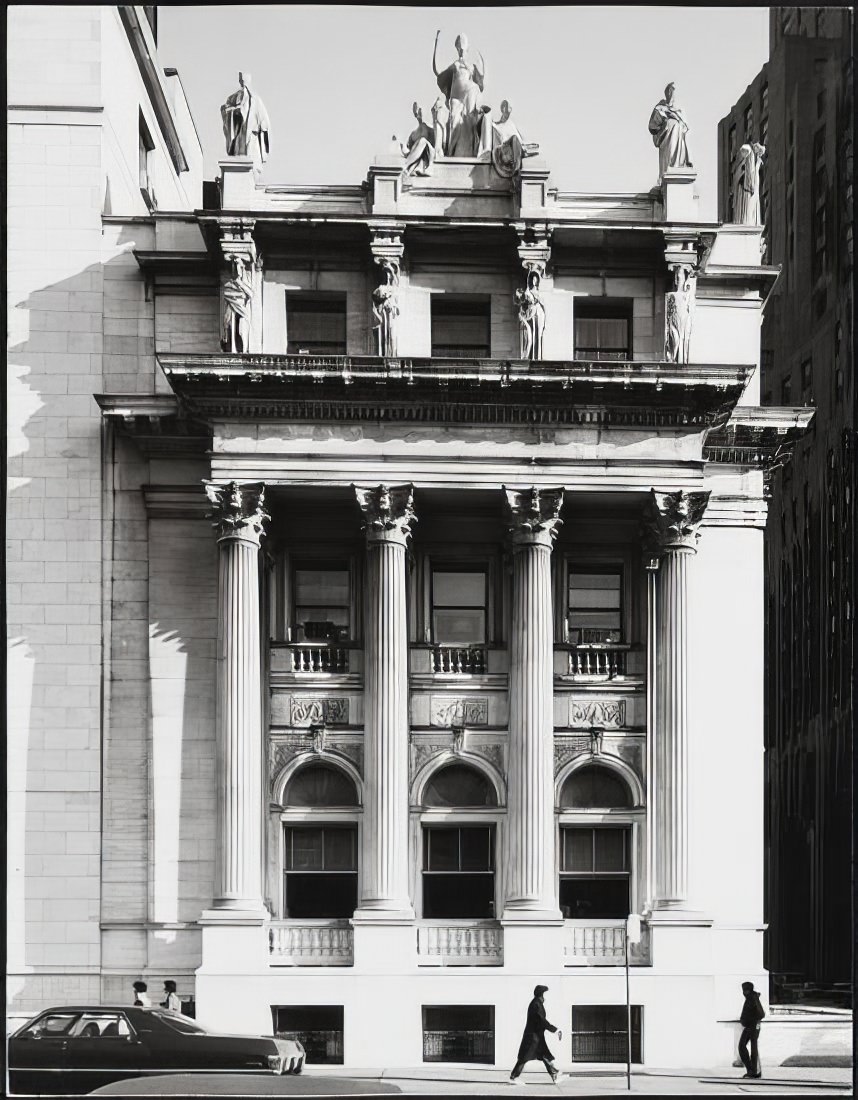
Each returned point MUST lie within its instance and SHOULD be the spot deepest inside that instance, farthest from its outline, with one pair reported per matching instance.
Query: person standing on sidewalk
(752, 1014)
(171, 1002)
(533, 1045)
(141, 995)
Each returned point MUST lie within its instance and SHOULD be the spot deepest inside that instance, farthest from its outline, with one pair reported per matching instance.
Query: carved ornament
(388, 512)
(238, 510)
(444, 711)
(311, 710)
(565, 748)
(607, 713)
(533, 515)
(674, 519)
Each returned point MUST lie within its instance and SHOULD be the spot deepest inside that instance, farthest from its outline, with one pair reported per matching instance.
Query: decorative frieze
(565, 748)
(311, 710)
(444, 711)
(423, 751)
(607, 713)
(287, 746)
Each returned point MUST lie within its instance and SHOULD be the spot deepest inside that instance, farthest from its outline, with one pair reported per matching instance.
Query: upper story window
(595, 872)
(594, 603)
(764, 99)
(458, 785)
(145, 148)
(315, 324)
(458, 871)
(320, 871)
(786, 391)
(806, 379)
(459, 598)
(321, 601)
(748, 120)
(603, 328)
(461, 326)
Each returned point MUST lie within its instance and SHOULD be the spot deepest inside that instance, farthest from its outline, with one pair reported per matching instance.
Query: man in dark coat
(752, 1013)
(533, 1043)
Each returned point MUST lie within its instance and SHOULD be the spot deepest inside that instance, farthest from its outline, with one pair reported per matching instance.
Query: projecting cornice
(156, 422)
(758, 436)
(635, 395)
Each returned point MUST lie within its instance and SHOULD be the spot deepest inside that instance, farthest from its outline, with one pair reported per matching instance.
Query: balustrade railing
(458, 659)
(594, 943)
(602, 662)
(459, 945)
(318, 658)
(291, 944)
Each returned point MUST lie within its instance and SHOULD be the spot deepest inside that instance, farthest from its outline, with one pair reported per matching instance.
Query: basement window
(319, 1028)
(459, 1033)
(599, 1033)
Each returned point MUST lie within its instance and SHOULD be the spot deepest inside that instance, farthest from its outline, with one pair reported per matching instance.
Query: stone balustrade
(310, 944)
(598, 662)
(460, 944)
(602, 943)
(318, 658)
(461, 660)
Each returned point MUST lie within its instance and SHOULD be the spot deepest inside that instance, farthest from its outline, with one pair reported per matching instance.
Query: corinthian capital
(238, 510)
(533, 515)
(674, 519)
(388, 512)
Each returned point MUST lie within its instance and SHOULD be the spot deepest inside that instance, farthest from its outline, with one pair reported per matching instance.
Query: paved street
(476, 1081)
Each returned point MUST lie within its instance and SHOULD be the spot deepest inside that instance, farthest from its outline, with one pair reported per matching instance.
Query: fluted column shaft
(384, 847)
(675, 518)
(531, 888)
(238, 870)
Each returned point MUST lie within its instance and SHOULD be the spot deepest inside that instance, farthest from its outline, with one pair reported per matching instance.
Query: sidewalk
(438, 1080)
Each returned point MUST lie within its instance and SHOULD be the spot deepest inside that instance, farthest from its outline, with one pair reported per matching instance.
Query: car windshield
(180, 1023)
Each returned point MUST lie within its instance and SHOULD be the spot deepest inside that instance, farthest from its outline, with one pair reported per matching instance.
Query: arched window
(459, 785)
(320, 785)
(595, 787)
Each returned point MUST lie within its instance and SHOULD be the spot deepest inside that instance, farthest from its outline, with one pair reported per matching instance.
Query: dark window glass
(319, 1028)
(600, 1033)
(55, 1023)
(459, 1033)
(316, 324)
(593, 787)
(806, 375)
(320, 874)
(144, 151)
(320, 785)
(764, 98)
(748, 121)
(459, 599)
(603, 329)
(594, 604)
(458, 872)
(461, 326)
(595, 866)
(459, 785)
(322, 601)
(786, 391)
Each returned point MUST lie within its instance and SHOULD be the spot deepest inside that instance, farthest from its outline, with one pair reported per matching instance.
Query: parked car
(79, 1048)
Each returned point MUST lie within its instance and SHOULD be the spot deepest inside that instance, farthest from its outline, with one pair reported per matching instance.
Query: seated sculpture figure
(668, 128)
(508, 148)
(462, 82)
(420, 149)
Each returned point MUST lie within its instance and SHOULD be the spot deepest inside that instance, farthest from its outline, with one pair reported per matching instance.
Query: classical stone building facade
(386, 587)
(801, 107)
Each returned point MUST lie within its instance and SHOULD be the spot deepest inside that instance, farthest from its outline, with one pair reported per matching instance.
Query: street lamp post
(633, 935)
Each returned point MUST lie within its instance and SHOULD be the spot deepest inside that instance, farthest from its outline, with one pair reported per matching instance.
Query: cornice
(158, 423)
(758, 436)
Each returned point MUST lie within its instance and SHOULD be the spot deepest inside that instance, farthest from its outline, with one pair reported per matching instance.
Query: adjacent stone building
(801, 108)
(385, 580)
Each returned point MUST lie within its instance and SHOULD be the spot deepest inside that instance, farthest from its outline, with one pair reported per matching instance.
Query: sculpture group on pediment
(668, 128)
(245, 124)
(746, 184)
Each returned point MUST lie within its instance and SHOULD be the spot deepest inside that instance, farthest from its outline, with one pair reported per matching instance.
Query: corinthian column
(388, 515)
(531, 887)
(675, 518)
(239, 518)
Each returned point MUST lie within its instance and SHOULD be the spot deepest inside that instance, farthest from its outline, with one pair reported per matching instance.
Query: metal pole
(628, 1016)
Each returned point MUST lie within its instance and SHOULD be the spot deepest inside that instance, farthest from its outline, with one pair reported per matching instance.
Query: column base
(243, 913)
(513, 916)
(402, 915)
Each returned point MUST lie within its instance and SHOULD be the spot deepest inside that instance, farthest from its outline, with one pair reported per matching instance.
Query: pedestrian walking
(533, 1045)
(141, 995)
(171, 1001)
(752, 1014)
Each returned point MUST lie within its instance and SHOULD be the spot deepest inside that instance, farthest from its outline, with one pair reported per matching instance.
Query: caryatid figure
(237, 299)
(245, 124)
(669, 128)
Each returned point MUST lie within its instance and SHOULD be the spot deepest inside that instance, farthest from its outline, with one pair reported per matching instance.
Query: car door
(102, 1047)
(37, 1053)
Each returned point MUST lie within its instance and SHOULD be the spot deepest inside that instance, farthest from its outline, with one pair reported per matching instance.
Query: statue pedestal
(385, 183)
(237, 183)
(680, 200)
(533, 187)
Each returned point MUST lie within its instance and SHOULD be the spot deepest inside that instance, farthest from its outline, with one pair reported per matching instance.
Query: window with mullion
(459, 599)
(458, 871)
(603, 329)
(595, 871)
(321, 600)
(594, 603)
(320, 871)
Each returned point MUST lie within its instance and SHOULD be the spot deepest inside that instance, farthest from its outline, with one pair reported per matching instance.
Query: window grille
(459, 1033)
(319, 1028)
(599, 1033)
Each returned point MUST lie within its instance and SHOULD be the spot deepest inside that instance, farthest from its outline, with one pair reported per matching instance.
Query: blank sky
(339, 81)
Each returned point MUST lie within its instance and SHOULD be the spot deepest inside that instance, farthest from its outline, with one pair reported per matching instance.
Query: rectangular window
(764, 131)
(732, 143)
(315, 324)
(461, 326)
(594, 604)
(458, 872)
(600, 1033)
(459, 605)
(821, 103)
(786, 391)
(603, 328)
(319, 1028)
(459, 1033)
(322, 601)
(818, 200)
(595, 872)
(320, 871)
(145, 149)
(748, 121)
(764, 99)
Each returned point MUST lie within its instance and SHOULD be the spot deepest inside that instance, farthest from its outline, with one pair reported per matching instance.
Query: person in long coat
(533, 1045)
(750, 1019)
